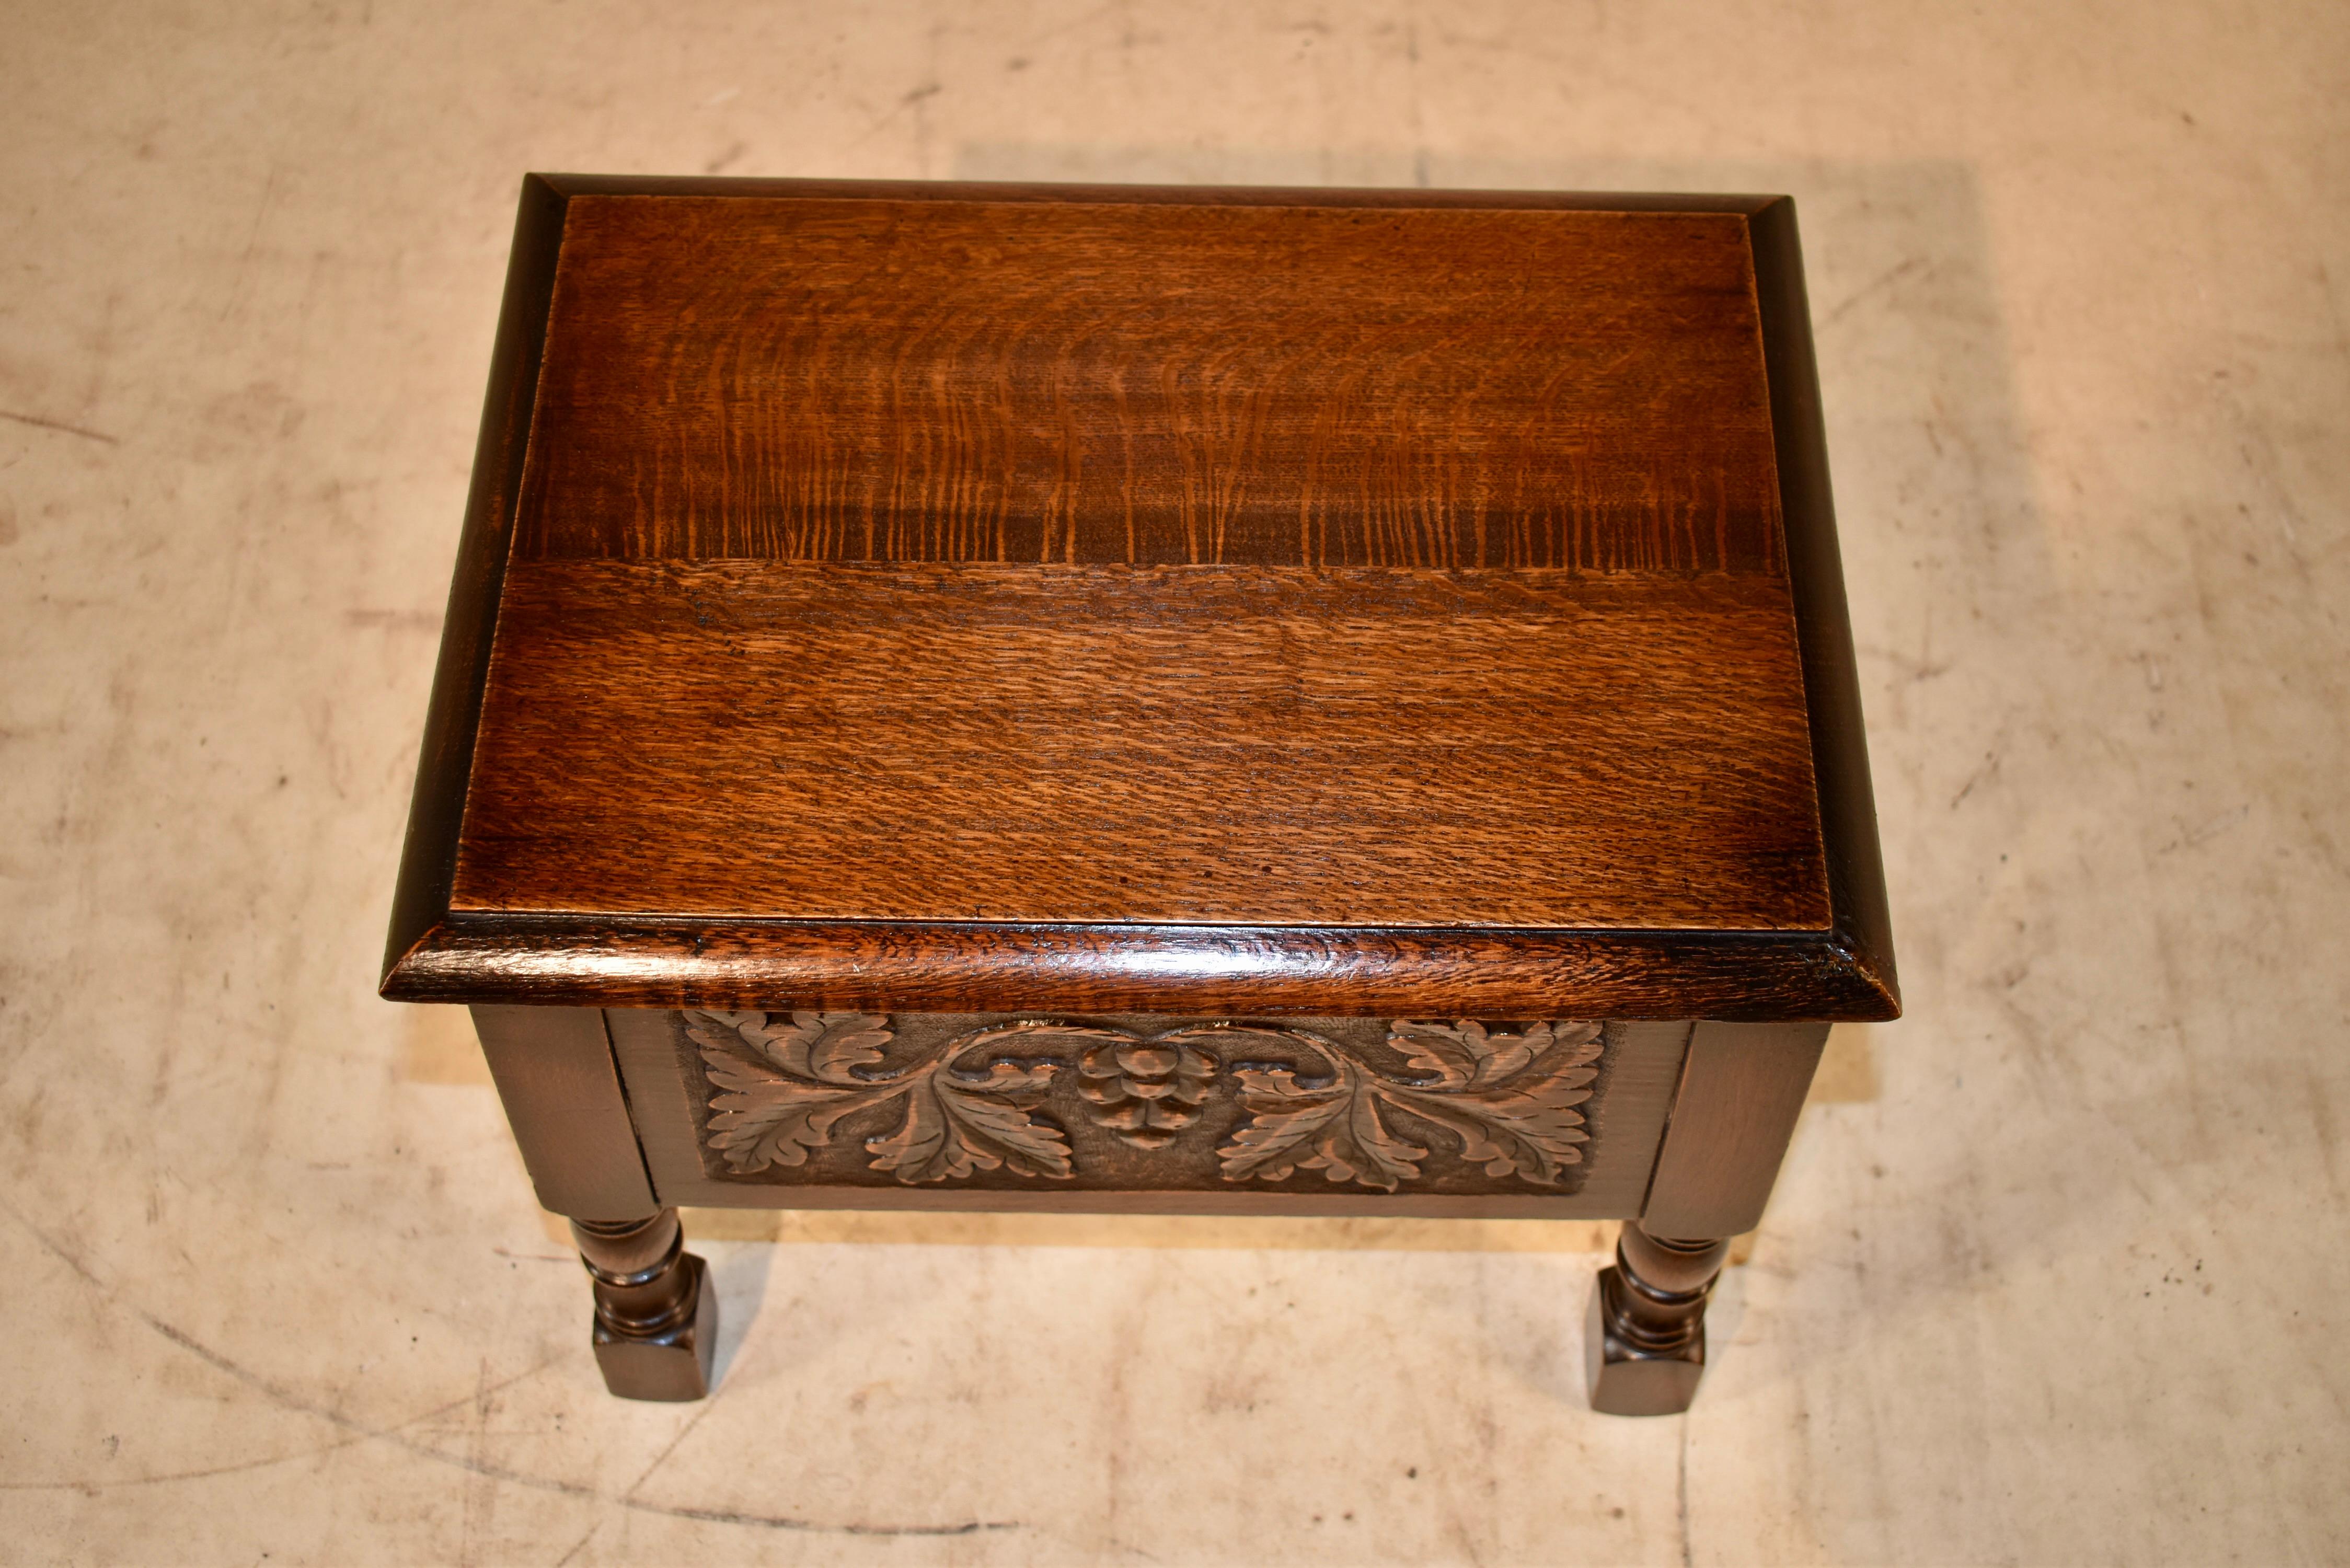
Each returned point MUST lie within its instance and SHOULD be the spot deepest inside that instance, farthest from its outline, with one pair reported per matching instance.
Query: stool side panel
(1084, 1104)
(563, 1096)
(1742, 1087)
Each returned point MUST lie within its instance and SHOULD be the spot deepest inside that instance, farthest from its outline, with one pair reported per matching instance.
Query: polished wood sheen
(656, 1325)
(1334, 599)
(560, 1084)
(1742, 1088)
(1236, 745)
(1144, 700)
(958, 597)
(1315, 385)
(1644, 1337)
(717, 1121)
(979, 966)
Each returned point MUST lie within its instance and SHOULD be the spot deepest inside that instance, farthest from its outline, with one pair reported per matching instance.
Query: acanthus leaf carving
(1515, 1112)
(759, 1118)
(782, 1088)
(1464, 1056)
(1332, 1126)
(954, 1127)
(1509, 1100)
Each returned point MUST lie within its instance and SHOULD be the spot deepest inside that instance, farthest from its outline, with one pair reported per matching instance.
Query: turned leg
(656, 1317)
(1644, 1343)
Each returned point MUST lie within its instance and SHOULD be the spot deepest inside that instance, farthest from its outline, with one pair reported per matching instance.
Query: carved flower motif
(1147, 1091)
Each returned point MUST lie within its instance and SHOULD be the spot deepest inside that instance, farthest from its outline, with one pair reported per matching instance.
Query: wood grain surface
(1863, 924)
(668, 1072)
(892, 380)
(1234, 745)
(972, 966)
(1742, 1088)
(1595, 416)
(436, 808)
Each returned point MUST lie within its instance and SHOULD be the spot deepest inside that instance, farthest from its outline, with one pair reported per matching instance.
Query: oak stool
(1153, 701)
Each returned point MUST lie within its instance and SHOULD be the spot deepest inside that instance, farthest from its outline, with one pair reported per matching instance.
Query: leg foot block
(1644, 1342)
(1627, 1379)
(674, 1365)
(656, 1315)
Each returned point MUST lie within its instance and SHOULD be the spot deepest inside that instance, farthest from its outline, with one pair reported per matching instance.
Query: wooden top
(952, 596)
(845, 379)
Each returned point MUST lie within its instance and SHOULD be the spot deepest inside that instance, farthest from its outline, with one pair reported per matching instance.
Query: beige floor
(2057, 1271)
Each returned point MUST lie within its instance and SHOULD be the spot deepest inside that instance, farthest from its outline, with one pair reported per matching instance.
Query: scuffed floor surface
(2055, 1273)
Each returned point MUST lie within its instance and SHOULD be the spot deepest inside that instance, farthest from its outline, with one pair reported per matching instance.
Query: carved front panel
(786, 1107)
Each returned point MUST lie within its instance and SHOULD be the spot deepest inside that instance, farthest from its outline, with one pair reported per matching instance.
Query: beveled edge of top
(1844, 972)
(567, 186)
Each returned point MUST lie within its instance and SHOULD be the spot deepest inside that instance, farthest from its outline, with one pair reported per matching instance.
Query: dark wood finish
(555, 1072)
(1160, 1115)
(981, 968)
(1836, 968)
(737, 188)
(883, 380)
(1069, 698)
(656, 1323)
(1863, 926)
(1231, 746)
(1742, 1086)
(429, 860)
(1644, 1343)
